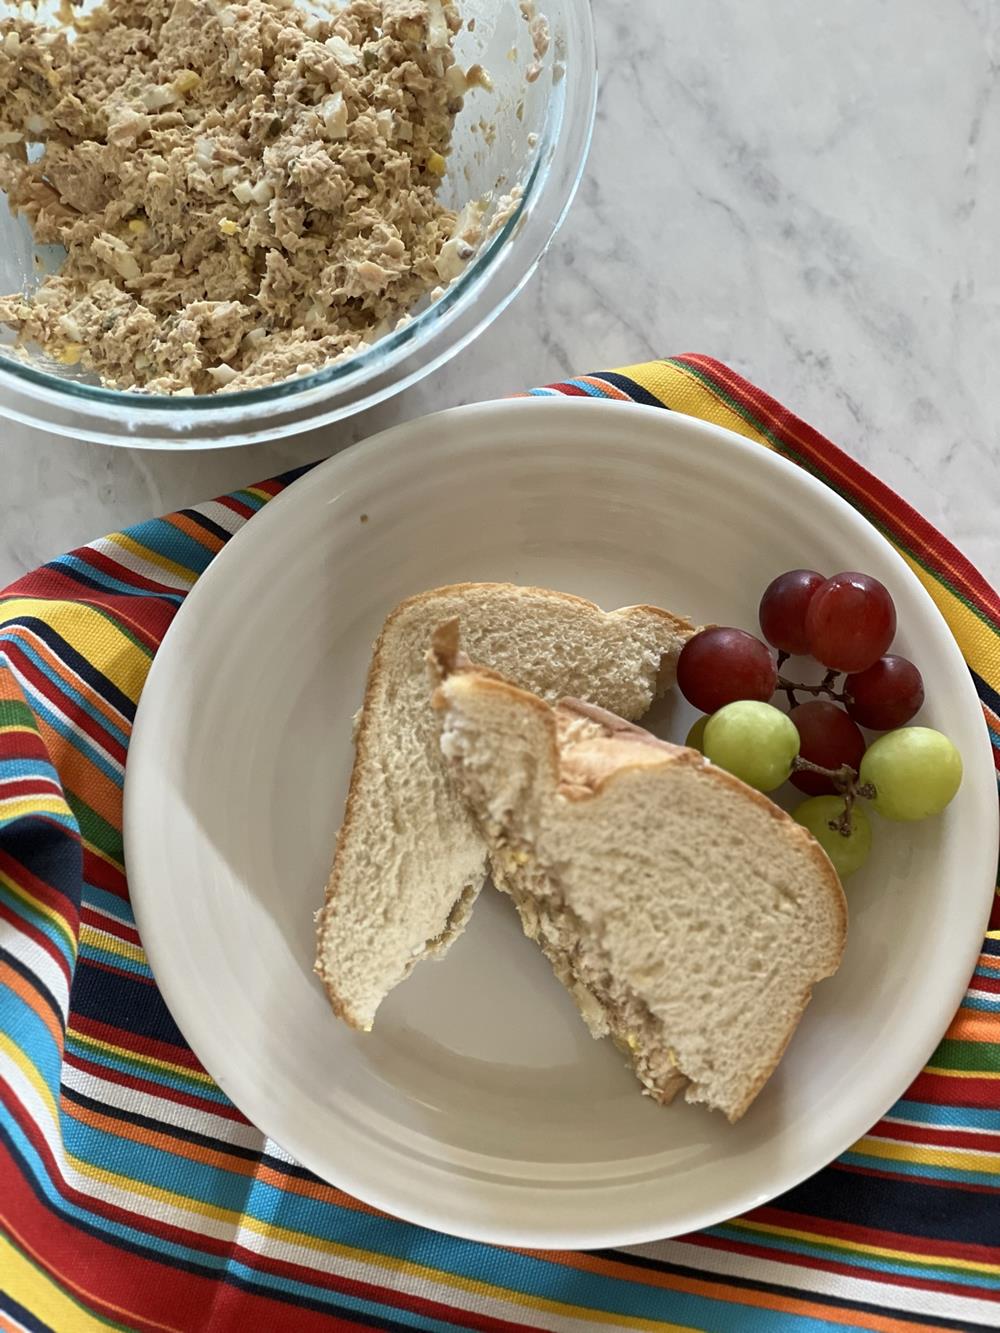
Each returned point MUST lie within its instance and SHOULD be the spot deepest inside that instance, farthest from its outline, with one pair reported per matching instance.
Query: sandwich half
(410, 859)
(689, 916)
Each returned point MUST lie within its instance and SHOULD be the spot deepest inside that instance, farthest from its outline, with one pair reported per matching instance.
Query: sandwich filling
(609, 1006)
(589, 740)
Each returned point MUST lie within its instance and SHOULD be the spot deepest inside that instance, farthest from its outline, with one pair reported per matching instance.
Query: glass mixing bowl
(542, 134)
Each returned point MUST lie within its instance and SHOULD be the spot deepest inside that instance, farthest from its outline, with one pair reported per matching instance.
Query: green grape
(847, 854)
(915, 772)
(754, 741)
(696, 736)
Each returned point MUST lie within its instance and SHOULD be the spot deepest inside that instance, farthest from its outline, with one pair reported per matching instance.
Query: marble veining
(810, 193)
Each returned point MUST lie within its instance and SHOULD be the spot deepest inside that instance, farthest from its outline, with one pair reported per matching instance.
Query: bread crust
(362, 746)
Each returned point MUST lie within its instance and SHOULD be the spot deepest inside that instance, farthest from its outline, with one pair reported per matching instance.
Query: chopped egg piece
(187, 80)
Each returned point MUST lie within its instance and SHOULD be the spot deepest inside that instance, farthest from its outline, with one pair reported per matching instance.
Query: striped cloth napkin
(134, 1195)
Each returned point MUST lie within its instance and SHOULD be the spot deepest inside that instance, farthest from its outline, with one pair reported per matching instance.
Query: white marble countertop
(808, 192)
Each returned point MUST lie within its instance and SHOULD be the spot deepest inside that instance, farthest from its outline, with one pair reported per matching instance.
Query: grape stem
(843, 778)
(825, 686)
(845, 781)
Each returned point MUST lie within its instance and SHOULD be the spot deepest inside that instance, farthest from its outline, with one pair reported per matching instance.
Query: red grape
(783, 609)
(827, 737)
(887, 695)
(720, 665)
(850, 622)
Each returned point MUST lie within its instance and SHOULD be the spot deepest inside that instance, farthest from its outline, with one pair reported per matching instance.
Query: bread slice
(689, 916)
(410, 860)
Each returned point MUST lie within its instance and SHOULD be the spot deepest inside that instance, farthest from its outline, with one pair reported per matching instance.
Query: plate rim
(142, 762)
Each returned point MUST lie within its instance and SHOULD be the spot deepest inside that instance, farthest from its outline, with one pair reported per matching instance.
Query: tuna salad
(245, 192)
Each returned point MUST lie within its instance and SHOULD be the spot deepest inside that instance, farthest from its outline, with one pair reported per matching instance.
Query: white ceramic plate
(480, 1105)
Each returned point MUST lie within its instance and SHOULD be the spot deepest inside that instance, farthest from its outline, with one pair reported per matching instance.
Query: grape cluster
(846, 623)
